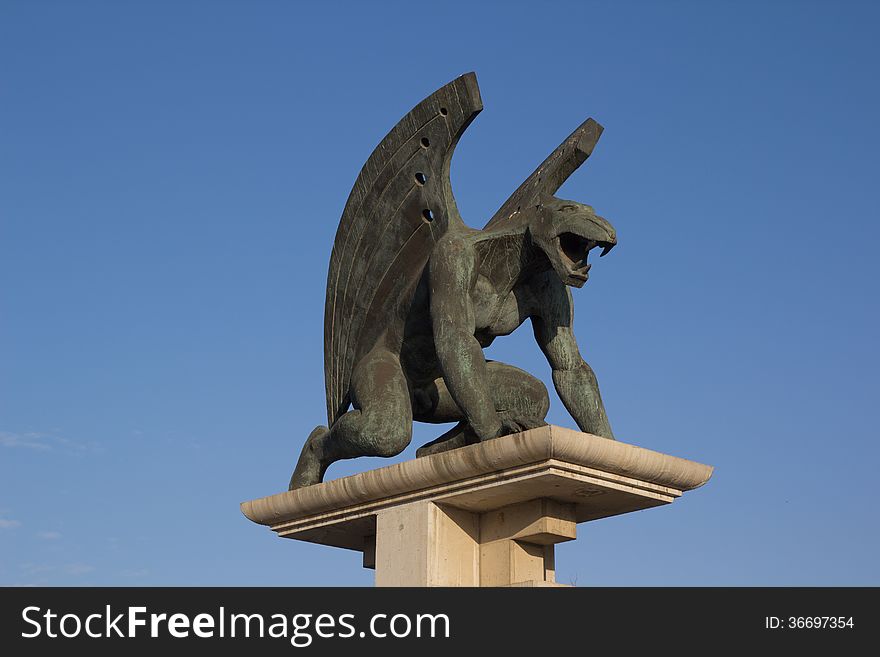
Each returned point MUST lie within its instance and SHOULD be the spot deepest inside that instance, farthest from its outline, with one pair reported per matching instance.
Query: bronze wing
(401, 204)
(552, 172)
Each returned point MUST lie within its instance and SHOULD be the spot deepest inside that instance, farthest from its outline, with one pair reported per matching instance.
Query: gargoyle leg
(379, 425)
(520, 399)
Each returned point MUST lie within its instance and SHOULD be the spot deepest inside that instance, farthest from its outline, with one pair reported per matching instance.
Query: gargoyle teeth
(605, 249)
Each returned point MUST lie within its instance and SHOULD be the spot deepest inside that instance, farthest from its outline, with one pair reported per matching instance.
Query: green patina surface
(414, 295)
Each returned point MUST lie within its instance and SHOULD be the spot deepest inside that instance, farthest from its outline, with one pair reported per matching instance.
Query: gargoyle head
(566, 232)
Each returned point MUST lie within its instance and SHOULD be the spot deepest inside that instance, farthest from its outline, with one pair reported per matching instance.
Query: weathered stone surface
(487, 514)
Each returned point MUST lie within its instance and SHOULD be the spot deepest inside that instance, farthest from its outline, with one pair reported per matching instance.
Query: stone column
(483, 515)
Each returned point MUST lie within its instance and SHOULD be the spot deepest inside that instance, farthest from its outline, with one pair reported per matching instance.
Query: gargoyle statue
(413, 295)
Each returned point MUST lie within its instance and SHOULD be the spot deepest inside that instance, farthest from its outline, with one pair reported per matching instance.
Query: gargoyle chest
(496, 312)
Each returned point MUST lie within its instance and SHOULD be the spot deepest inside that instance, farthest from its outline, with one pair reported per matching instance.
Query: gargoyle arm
(574, 379)
(452, 273)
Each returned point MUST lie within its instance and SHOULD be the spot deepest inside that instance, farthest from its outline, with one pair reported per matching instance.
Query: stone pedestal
(483, 515)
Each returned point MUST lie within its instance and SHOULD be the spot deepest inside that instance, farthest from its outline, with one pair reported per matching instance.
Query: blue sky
(171, 177)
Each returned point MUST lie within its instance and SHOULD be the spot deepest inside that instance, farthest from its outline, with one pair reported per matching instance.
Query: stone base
(484, 515)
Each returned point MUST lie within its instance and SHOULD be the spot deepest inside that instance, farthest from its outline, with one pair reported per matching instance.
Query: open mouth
(575, 250)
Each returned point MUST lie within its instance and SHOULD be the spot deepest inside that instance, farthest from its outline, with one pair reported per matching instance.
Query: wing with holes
(552, 172)
(401, 204)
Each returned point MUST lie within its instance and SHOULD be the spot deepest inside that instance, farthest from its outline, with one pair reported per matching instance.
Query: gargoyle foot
(462, 434)
(309, 469)
(459, 436)
(516, 423)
